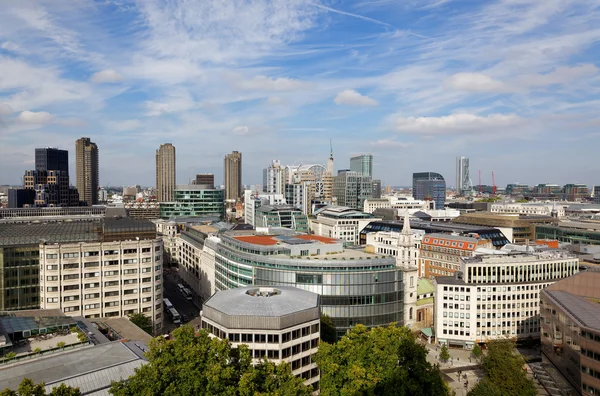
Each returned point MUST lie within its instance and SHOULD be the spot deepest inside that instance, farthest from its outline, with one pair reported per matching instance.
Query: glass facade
(430, 186)
(569, 235)
(19, 278)
(362, 164)
(365, 291)
(194, 202)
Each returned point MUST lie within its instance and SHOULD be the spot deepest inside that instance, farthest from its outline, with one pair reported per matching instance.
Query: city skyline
(401, 81)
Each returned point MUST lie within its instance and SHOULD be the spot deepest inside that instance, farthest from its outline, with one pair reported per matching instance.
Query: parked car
(184, 318)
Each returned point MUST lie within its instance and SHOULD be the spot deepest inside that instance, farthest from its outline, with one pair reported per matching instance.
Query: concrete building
(351, 189)
(402, 204)
(52, 159)
(572, 232)
(274, 178)
(464, 186)
(147, 210)
(168, 230)
(340, 222)
(253, 200)
(575, 192)
(494, 297)
(517, 189)
(376, 188)
(570, 327)
(233, 176)
(285, 216)
(530, 209)
(280, 323)
(596, 194)
(441, 254)
(205, 179)
(166, 172)
(425, 307)
(118, 275)
(362, 164)
(21, 197)
(191, 200)
(429, 186)
(87, 169)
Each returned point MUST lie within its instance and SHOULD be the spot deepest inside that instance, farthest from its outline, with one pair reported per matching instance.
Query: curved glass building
(355, 286)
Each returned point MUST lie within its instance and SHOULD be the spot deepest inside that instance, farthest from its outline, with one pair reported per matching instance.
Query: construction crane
(493, 182)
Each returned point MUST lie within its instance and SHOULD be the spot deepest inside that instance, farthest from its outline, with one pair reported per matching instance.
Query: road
(183, 306)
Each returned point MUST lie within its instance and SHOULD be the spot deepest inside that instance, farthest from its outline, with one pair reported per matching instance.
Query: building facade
(441, 254)
(596, 194)
(281, 324)
(341, 222)
(205, 179)
(530, 209)
(52, 159)
(274, 178)
(191, 200)
(494, 297)
(103, 279)
(20, 197)
(166, 172)
(87, 169)
(376, 188)
(351, 189)
(464, 186)
(575, 191)
(285, 216)
(253, 200)
(430, 186)
(233, 176)
(362, 164)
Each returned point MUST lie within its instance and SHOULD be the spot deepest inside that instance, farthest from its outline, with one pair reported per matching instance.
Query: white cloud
(352, 98)
(106, 76)
(5, 109)
(241, 130)
(561, 75)
(31, 117)
(125, 125)
(264, 83)
(460, 123)
(175, 102)
(390, 144)
(275, 100)
(476, 82)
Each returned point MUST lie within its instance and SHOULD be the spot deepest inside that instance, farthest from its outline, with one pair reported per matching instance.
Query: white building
(253, 200)
(341, 222)
(401, 203)
(281, 324)
(169, 232)
(103, 279)
(532, 209)
(274, 178)
(495, 297)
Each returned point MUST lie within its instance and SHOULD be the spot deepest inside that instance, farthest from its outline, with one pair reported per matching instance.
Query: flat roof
(263, 240)
(242, 301)
(12, 234)
(586, 312)
(269, 240)
(317, 238)
(124, 328)
(92, 369)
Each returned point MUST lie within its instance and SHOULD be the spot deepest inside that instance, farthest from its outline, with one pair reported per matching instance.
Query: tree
(61, 344)
(381, 360)
(444, 354)
(142, 321)
(200, 365)
(476, 352)
(327, 330)
(37, 350)
(30, 388)
(503, 372)
(10, 355)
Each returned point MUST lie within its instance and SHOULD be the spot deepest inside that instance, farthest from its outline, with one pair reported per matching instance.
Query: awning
(427, 331)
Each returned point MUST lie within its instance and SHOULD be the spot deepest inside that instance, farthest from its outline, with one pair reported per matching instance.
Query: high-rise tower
(330, 168)
(165, 172)
(86, 167)
(362, 164)
(233, 176)
(52, 159)
(463, 180)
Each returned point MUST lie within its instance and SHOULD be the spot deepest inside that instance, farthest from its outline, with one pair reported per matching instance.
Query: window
(130, 261)
(52, 278)
(71, 298)
(52, 299)
(92, 274)
(91, 285)
(129, 302)
(129, 281)
(71, 287)
(111, 304)
(111, 283)
(71, 266)
(92, 306)
(52, 267)
(51, 256)
(91, 296)
(146, 250)
(91, 264)
(91, 254)
(71, 277)
(111, 273)
(70, 255)
(129, 271)
(71, 309)
(129, 251)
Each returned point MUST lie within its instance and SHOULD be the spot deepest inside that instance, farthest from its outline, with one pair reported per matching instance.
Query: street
(183, 306)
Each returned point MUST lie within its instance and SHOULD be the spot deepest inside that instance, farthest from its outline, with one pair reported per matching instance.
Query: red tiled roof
(265, 240)
(317, 238)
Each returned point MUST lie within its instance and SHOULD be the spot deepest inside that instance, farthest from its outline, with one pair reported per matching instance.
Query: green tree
(61, 344)
(30, 388)
(327, 330)
(476, 352)
(142, 321)
(503, 372)
(10, 355)
(37, 350)
(444, 354)
(382, 360)
(200, 365)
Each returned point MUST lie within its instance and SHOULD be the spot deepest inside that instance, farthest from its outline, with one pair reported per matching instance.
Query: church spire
(406, 226)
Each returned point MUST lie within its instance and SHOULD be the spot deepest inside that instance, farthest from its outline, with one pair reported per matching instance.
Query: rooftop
(124, 328)
(581, 309)
(269, 240)
(263, 301)
(424, 286)
(37, 232)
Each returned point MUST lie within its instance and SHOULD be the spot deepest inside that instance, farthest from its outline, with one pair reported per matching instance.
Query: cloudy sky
(512, 84)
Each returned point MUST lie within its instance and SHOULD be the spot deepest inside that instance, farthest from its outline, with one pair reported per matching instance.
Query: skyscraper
(464, 186)
(430, 186)
(351, 189)
(165, 172)
(362, 164)
(52, 159)
(86, 161)
(233, 176)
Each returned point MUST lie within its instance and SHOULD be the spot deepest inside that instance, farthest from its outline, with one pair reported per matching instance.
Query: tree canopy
(504, 372)
(200, 365)
(476, 352)
(327, 330)
(142, 321)
(378, 361)
(30, 388)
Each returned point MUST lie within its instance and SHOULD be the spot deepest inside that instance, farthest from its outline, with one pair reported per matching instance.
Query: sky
(512, 84)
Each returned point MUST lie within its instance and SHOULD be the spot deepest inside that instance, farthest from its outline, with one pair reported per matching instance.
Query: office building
(51, 188)
(596, 194)
(464, 186)
(530, 209)
(147, 210)
(355, 286)
(191, 200)
(274, 178)
(429, 186)
(376, 188)
(548, 189)
(206, 179)
(570, 327)
(517, 189)
(572, 232)
(166, 172)
(21, 197)
(362, 164)
(281, 324)
(118, 275)
(253, 200)
(494, 297)
(51, 214)
(86, 166)
(52, 159)
(400, 204)
(340, 222)
(233, 176)
(286, 216)
(351, 189)
(575, 192)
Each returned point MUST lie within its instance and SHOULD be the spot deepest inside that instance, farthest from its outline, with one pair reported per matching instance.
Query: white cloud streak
(31, 117)
(352, 98)
(460, 123)
(106, 76)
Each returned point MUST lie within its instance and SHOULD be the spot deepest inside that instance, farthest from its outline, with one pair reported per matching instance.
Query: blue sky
(512, 84)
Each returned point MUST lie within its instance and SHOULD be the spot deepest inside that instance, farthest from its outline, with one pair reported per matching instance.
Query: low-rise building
(570, 326)
(517, 228)
(253, 200)
(530, 209)
(401, 204)
(281, 324)
(573, 232)
(194, 200)
(286, 216)
(340, 222)
(497, 296)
